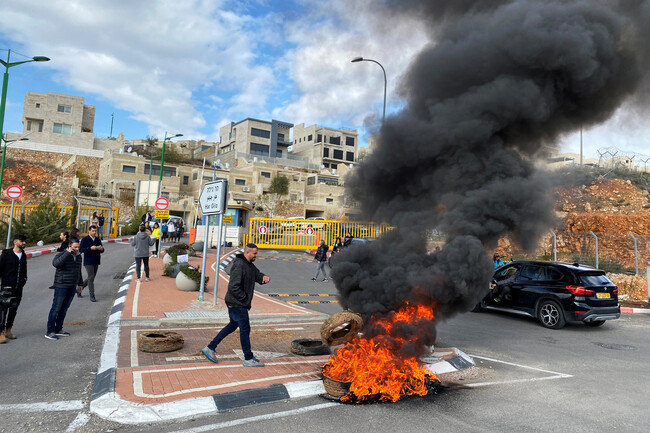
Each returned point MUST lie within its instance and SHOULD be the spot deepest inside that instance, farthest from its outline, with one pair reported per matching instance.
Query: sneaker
(326, 279)
(62, 334)
(79, 295)
(253, 362)
(51, 336)
(147, 279)
(209, 353)
(313, 279)
(92, 299)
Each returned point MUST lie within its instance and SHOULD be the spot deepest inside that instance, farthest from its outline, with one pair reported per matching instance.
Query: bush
(194, 273)
(133, 226)
(178, 249)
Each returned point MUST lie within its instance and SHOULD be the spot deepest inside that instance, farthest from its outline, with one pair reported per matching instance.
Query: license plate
(602, 295)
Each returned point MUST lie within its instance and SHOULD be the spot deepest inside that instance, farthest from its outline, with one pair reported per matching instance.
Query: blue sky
(192, 66)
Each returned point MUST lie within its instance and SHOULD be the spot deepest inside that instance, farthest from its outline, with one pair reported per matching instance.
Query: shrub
(134, 225)
(178, 249)
(44, 223)
(194, 273)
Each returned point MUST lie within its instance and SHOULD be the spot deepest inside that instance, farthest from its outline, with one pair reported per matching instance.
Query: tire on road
(550, 314)
(158, 342)
(340, 328)
(309, 347)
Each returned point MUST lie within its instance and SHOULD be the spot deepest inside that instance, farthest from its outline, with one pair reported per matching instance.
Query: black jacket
(68, 270)
(13, 271)
(91, 257)
(321, 252)
(243, 276)
(64, 246)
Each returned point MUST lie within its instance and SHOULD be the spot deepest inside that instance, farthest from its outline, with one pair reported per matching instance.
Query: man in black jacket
(243, 276)
(13, 271)
(67, 281)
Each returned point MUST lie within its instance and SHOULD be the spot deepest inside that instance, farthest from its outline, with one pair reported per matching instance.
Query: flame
(375, 367)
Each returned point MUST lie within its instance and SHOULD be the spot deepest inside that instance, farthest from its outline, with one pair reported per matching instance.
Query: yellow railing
(85, 214)
(307, 233)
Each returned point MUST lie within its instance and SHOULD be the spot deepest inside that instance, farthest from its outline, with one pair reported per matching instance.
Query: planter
(185, 283)
(173, 270)
(167, 260)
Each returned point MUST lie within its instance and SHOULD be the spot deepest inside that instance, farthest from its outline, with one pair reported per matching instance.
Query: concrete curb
(635, 310)
(48, 250)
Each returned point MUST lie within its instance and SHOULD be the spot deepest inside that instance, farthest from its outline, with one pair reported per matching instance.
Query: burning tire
(309, 347)
(335, 388)
(157, 342)
(340, 328)
(550, 314)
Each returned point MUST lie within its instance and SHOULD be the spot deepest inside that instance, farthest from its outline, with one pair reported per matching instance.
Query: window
(164, 194)
(195, 176)
(309, 137)
(240, 182)
(326, 152)
(186, 180)
(265, 174)
(326, 165)
(335, 140)
(349, 141)
(329, 200)
(278, 153)
(64, 108)
(280, 137)
(328, 180)
(311, 180)
(29, 125)
(62, 128)
(349, 156)
(40, 126)
(530, 272)
(338, 154)
(259, 149)
(319, 138)
(167, 171)
(128, 169)
(260, 133)
(334, 166)
(38, 105)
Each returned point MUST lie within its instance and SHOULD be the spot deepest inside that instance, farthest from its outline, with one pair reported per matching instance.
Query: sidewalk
(136, 387)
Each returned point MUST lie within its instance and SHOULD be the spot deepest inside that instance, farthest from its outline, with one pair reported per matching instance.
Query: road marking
(288, 329)
(301, 294)
(43, 407)
(134, 309)
(312, 302)
(241, 421)
(238, 354)
(80, 421)
(134, 348)
(555, 374)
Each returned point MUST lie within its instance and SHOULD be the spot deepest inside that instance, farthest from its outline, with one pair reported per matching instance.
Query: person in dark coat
(321, 258)
(65, 240)
(243, 276)
(100, 225)
(13, 271)
(91, 247)
(141, 243)
(67, 280)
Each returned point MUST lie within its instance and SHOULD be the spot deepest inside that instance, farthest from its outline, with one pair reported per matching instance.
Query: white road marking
(286, 413)
(80, 421)
(134, 348)
(288, 329)
(134, 310)
(555, 374)
(55, 406)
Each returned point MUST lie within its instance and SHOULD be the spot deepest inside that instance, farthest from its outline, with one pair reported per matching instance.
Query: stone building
(328, 147)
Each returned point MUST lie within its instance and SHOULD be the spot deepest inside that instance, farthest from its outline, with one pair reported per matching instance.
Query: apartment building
(54, 118)
(254, 137)
(328, 147)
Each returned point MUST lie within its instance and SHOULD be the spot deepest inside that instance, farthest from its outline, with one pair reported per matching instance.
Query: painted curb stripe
(250, 397)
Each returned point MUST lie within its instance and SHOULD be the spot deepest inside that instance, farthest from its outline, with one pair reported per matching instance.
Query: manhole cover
(119, 276)
(614, 346)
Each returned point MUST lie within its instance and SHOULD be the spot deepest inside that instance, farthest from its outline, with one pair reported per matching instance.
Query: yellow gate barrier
(295, 233)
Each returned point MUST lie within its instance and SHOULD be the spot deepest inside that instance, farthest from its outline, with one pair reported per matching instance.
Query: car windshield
(595, 279)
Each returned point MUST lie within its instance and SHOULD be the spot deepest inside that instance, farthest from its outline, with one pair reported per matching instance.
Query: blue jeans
(238, 318)
(101, 232)
(62, 300)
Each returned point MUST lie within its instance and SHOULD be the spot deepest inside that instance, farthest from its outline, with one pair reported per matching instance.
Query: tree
(279, 187)
(44, 223)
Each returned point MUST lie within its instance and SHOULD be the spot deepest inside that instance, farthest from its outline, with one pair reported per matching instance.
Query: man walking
(91, 247)
(13, 271)
(243, 276)
(67, 278)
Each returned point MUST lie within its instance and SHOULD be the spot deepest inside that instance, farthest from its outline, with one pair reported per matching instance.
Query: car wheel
(550, 315)
(595, 323)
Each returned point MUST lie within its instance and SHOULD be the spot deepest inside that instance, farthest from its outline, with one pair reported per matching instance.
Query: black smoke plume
(500, 81)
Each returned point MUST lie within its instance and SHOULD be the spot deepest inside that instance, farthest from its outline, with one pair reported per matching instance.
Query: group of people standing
(321, 254)
(68, 279)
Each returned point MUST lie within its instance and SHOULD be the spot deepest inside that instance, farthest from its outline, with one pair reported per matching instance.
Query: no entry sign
(162, 203)
(14, 192)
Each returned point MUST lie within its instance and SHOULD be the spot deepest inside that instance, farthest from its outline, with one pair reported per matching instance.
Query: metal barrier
(294, 233)
(85, 212)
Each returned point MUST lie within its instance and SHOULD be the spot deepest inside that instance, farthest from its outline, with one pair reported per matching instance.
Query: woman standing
(156, 234)
(141, 243)
(94, 219)
(100, 225)
(65, 240)
(321, 258)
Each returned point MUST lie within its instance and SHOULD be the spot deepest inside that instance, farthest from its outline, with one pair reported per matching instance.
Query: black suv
(553, 292)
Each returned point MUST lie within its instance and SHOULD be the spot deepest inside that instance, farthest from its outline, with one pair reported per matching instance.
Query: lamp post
(162, 160)
(5, 80)
(361, 59)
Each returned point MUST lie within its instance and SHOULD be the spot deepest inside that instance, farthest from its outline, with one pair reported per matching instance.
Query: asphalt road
(35, 369)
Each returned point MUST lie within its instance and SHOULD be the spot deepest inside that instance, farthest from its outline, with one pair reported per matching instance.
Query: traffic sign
(162, 214)
(309, 230)
(14, 192)
(213, 197)
(263, 230)
(227, 219)
(162, 203)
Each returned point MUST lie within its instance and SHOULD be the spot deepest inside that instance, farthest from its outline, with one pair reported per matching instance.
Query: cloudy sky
(192, 66)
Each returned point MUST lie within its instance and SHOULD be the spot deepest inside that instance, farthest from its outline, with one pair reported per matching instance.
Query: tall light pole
(162, 160)
(5, 81)
(361, 59)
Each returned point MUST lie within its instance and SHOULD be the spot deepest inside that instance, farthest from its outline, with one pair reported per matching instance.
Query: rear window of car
(594, 279)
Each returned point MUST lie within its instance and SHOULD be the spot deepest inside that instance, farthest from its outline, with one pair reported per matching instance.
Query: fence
(307, 233)
(85, 212)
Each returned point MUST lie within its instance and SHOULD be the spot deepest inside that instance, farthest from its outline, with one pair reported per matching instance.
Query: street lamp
(162, 160)
(5, 81)
(361, 59)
